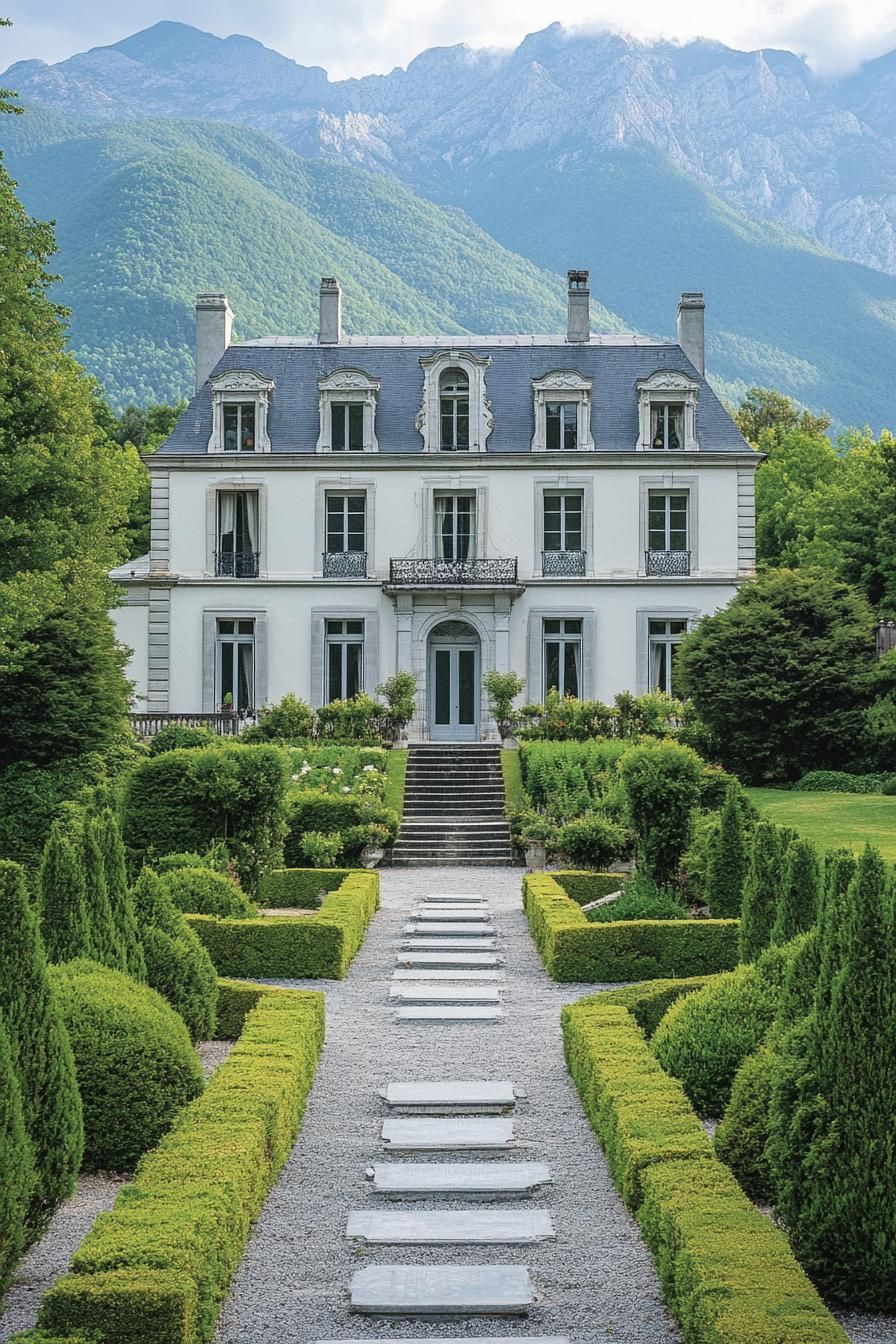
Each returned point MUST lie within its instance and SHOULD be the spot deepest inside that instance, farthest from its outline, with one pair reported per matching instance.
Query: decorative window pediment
(454, 415)
(667, 411)
(240, 401)
(347, 412)
(562, 411)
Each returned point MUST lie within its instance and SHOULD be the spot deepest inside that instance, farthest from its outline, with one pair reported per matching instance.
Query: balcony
(236, 564)
(345, 565)
(562, 564)
(667, 564)
(433, 573)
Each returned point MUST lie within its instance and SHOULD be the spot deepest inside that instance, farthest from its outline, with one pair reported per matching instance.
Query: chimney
(214, 324)
(690, 329)
(330, 311)
(578, 307)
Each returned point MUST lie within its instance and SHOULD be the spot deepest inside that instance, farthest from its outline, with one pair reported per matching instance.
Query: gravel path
(597, 1281)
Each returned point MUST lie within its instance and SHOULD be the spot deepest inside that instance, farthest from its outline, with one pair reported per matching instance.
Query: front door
(454, 691)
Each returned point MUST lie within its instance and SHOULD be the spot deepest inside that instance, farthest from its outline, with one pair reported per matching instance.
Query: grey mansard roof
(614, 363)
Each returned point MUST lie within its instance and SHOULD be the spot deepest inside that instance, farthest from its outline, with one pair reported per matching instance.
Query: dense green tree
(105, 939)
(119, 895)
(41, 1052)
(727, 866)
(799, 891)
(662, 782)
(832, 1144)
(17, 1174)
(760, 890)
(797, 465)
(781, 675)
(62, 896)
(177, 964)
(765, 415)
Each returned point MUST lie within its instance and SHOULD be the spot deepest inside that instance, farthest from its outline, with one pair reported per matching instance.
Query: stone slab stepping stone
(443, 1290)
(443, 1339)
(445, 994)
(446, 959)
(447, 929)
(449, 944)
(453, 896)
(459, 1095)
(465, 1227)
(448, 975)
(448, 1134)
(449, 1013)
(463, 913)
(465, 1180)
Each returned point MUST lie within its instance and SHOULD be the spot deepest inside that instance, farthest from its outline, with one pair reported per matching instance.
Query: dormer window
(454, 416)
(240, 401)
(347, 412)
(562, 403)
(667, 412)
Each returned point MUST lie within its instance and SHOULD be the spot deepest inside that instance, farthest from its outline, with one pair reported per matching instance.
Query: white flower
(305, 770)
(346, 789)
(368, 768)
(293, 778)
(336, 770)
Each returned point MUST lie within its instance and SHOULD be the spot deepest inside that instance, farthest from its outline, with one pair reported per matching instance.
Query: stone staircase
(454, 809)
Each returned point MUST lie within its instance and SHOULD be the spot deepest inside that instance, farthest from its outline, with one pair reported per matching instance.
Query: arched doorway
(453, 680)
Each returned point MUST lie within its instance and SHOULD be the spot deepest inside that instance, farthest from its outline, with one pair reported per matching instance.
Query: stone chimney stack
(330, 332)
(214, 324)
(578, 307)
(691, 309)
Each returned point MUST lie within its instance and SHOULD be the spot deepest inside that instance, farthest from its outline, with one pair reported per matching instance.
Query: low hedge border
(637, 949)
(299, 888)
(156, 1267)
(287, 947)
(583, 886)
(236, 999)
(728, 1273)
(648, 1002)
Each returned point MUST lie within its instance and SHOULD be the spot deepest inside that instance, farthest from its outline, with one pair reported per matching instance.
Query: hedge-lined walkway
(597, 1281)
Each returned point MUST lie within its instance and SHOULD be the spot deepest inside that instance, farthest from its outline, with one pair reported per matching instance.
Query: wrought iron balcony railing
(563, 564)
(452, 572)
(345, 564)
(236, 564)
(668, 564)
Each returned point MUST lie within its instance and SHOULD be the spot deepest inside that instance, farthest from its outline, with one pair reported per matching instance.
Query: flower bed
(640, 949)
(320, 946)
(727, 1272)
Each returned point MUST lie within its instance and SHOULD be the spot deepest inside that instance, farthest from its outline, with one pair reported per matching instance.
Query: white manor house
(329, 511)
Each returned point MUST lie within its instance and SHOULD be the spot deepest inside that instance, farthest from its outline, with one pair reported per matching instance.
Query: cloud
(355, 37)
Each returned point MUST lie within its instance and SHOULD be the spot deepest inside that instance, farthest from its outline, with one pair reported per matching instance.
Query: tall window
(237, 551)
(666, 425)
(562, 521)
(454, 519)
(563, 657)
(345, 523)
(561, 424)
(235, 665)
(347, 426)
(454, 410)
(664, 638)
(667, 523)
(239, 426)
(344, 659)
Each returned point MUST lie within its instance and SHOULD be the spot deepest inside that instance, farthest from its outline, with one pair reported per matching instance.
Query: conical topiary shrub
(41, 1052)
(63, 899)
(760, 898)
(121, 901)
(177, 964)
(17, 1176)
(800, 892)
(105, 940)
(727, 866)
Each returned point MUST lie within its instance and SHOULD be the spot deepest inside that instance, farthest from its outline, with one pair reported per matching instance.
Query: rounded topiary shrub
(743, 1133)
(133, 1060)
(202, 891)
(704, 1037)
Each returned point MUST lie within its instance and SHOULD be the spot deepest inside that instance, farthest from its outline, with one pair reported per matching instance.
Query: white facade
(552, 563)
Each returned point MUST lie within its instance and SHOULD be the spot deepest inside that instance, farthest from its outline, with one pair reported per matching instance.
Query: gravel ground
(596, 1282)
(213, 1053)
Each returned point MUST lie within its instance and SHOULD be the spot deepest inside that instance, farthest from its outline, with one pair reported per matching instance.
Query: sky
(357, 37)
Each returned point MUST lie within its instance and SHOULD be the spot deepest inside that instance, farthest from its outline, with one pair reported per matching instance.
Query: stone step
(448, 975)
(447, 1134)
(460, 853)
(454, 898)
(442, 1290)
(458, 1180)
(465, 914)
(448, 1014)
(444, 994)
(464, 1227)
(448, 929)
(449, 1096)
(449, 944)
(455, 861)
(444, 959)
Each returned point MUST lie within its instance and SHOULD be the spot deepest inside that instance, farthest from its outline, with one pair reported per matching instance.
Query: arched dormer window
(667, 412)
(454, 411)
(455, 415)
(240, 401)
(347, 412)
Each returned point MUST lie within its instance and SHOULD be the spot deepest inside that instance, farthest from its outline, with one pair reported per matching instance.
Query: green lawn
(834, 819)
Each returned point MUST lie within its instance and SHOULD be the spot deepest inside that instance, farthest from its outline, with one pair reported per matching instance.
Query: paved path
(596, 1283)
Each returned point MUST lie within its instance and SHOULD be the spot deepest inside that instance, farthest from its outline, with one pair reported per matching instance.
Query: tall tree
(799, 891)
(120, 899)
(62, 897)
(17, 1175)
(105, 939)
(727, 865)
(760, 891)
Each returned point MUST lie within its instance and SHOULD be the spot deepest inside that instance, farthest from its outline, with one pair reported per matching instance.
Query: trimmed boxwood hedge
(298, 888)
(639, 949)
(287, 947)
(648, 1002)
(582, 887)
(727, 1272)
(236, 999)
(155, 1268)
